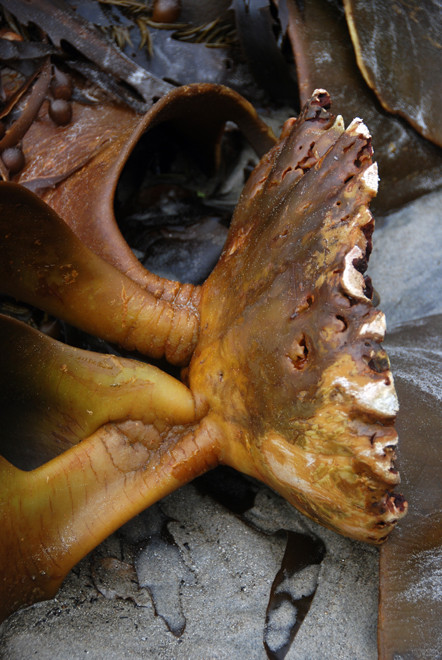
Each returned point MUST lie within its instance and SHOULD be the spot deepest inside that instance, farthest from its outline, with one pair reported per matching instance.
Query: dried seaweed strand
(130, 5)
(15, 98)
(120, 35)
(214, 34)
(17, 130)
(146, 40)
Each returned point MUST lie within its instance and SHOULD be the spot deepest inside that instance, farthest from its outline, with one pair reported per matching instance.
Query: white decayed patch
(371, 177)
(374, 397)
(352, 280)
(375, 329)
(358, 124)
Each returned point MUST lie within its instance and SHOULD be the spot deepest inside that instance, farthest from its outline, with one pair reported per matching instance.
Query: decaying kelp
(286, 380)
(295, 345)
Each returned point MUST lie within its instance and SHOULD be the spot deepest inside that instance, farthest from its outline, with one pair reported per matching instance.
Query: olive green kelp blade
(53, 395)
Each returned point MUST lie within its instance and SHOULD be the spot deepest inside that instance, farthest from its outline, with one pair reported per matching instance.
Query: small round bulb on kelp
(13, 159)
(166, 11)
(60, 111)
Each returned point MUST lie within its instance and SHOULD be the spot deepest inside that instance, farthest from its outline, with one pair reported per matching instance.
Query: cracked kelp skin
(286, 380)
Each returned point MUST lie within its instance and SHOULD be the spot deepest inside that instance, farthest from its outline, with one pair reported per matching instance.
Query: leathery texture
(287, 379)
(289, 362)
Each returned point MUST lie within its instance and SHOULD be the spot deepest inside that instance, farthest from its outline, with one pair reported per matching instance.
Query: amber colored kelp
(286, 382)
(53, 395)
(294, 346)
(45, 264)
(101, 139)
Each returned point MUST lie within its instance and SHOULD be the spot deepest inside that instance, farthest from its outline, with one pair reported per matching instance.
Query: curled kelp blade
(93, 149)
(44, 263)
(411, 560)
(53, 395)
(399, 52)
(13, 133)
(324, 57)
(289, 359)
(54, 515)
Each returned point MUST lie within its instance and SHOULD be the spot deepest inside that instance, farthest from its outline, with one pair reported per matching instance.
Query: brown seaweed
(287, 380)
(407, 81)
(411, 562)
(408, 165)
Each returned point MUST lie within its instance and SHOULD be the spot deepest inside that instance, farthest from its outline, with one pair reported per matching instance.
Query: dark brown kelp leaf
(399, 52)
(42, 262)
(137, 87)
(411, 561)
(196, 48)
(408, 165)
(257, 33)
(53, 395)
(11, 51)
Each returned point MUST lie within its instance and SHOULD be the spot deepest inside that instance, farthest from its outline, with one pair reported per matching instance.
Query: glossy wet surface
(224, 567)
(190, 578)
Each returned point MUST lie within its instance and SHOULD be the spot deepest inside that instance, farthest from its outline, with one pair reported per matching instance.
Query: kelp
(287, 381)
(410, 563)
(405, 80)
(408, 164)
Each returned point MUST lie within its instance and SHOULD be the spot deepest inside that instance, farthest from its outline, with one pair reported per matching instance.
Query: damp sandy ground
(207, 578)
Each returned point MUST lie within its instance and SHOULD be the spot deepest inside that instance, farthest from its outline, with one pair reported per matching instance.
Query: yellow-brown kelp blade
(289, 361)
(52, 516)
(42, 262)
(53, 395)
